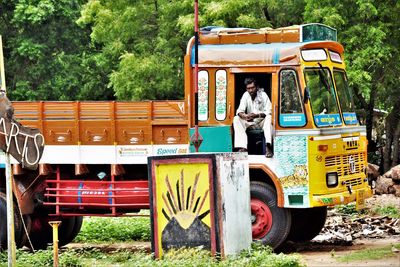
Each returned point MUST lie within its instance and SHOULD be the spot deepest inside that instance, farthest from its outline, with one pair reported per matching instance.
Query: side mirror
(306, 95)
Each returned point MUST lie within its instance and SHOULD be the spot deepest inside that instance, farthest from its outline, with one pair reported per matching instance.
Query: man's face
(251, 89)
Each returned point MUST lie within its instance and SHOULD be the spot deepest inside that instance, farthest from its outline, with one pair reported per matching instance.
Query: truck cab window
(323, 97)
(345, 97)
(291, 109)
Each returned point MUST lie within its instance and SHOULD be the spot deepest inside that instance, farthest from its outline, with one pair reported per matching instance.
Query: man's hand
(248, 117)
(252, 116)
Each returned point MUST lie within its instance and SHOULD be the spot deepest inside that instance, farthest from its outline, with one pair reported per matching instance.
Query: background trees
(48, 56)
(133, 49)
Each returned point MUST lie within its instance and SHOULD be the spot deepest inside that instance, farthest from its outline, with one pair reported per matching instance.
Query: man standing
(254, 110)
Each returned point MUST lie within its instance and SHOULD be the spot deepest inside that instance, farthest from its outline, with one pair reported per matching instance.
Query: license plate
(360, 200)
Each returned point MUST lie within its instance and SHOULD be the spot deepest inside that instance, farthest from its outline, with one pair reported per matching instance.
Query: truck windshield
(345, 97)
(322, 97)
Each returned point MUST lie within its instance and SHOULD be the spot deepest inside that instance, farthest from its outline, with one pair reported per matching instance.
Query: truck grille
(346, 165)
(353, 182)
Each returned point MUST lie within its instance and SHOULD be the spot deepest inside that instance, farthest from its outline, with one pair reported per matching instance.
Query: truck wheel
(270, 224)
(41, 233)
(73, 229)
(3, 224)
(65, 230)
(307, 223)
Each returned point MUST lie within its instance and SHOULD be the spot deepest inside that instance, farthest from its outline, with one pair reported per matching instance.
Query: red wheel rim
(261, 218)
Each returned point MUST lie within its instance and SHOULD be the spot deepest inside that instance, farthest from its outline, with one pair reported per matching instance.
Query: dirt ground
(382, 200)
(313, 254)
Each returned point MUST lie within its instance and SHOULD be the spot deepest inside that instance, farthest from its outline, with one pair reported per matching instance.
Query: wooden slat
(106, 122)
(169, 113)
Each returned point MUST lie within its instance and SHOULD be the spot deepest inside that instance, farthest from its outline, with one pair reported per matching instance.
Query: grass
(126, 229)
(389, 210)
(257, 256)
(369, 254)
(121, 229)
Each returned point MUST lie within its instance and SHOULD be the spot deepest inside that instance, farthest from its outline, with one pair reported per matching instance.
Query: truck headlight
(331, 179)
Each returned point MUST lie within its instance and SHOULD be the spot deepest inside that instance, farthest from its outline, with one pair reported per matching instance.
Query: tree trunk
(396, 135)
(387, 151)
(370, 119)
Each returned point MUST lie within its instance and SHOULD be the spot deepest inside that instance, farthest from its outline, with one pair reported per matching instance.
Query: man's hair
(250, 80)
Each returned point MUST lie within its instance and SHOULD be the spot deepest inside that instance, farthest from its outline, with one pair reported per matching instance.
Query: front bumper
(358, 195)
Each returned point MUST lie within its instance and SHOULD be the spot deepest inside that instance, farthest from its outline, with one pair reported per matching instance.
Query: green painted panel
(215, 139)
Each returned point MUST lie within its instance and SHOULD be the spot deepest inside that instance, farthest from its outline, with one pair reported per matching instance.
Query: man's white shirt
(261, 104)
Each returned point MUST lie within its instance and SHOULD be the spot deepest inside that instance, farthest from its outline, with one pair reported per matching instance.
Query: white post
(10, 214)
(9, 182)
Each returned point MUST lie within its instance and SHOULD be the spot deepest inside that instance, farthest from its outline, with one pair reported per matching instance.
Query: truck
(95, 159)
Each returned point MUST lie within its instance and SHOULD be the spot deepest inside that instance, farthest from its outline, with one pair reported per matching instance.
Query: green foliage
(390, 211)
(95, 229)
(349, 209)
(146, 41)
(257, 256)
(46, 52)
(43, 258)
(374, 158)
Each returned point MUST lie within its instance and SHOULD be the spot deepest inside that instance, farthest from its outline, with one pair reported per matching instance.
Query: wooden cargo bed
(106, 122)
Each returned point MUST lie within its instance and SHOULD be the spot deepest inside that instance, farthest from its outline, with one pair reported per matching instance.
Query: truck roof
(242, 55)
(291, 34)
(220, 46)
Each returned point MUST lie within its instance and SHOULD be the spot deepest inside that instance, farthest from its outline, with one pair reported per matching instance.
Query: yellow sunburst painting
(183, 201)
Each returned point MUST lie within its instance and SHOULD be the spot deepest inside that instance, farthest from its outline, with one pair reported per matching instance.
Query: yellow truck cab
(320, 149)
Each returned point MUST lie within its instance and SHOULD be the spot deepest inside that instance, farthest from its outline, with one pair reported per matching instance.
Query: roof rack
(296, 33)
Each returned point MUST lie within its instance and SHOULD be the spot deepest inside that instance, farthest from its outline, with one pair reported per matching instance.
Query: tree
(146, 40)
(47, 55)
(369, 31)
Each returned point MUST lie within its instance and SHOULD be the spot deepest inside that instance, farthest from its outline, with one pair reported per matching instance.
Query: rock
(388, 174)
(395, 250)
(395, 173)
(396, 188)
(348, 238)
(384, 185)
(373, 171)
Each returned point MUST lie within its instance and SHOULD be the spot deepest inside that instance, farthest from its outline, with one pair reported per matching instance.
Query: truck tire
(3, 224)
(41, 233)
(307, 223)
(65, 230)
(270, 224)
(74, 231)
